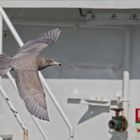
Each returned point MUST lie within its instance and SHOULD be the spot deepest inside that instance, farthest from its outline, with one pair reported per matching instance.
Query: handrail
(3, 14)
(5, 96)
(12, 108)
(20, 42)
(15, 113)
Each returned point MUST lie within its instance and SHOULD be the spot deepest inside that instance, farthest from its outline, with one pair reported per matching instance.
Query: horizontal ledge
(77, 24)
(98, 4)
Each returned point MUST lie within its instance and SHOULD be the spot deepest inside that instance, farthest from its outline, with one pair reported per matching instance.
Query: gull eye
(50, 61)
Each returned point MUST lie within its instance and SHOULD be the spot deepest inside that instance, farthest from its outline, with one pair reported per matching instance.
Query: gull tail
(5, 64)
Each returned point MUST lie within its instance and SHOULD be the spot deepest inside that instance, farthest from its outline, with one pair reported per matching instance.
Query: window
(6, 137)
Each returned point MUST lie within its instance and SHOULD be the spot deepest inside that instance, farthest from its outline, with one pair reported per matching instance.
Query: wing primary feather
(41, 41)
(37, 110)
(48, 37)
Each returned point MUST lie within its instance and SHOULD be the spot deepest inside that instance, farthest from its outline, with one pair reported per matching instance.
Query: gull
(26, 64)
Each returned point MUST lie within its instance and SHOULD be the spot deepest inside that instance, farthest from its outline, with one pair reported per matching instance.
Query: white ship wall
(95, 127)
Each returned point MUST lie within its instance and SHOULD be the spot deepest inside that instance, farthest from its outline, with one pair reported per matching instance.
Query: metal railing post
(126, 72)
(1, 33)
(20, 42)
(71, 132)
(3, 14)
(3, 93)
(25, 135)
(11, 27)
(12, 108)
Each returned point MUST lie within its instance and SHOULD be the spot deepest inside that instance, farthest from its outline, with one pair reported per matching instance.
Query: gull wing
(41, 41)
(32, 92)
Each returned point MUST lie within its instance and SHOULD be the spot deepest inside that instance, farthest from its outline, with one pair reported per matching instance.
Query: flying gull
(26, 64)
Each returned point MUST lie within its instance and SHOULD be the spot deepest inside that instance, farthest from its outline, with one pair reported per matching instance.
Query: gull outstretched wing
(41, 41)
(32, 92)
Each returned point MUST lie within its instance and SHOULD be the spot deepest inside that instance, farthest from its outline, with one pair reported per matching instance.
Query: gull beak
(57, 63)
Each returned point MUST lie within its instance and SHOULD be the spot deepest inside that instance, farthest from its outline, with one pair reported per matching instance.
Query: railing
(8, 101)
(20, 42)
(15, 113)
